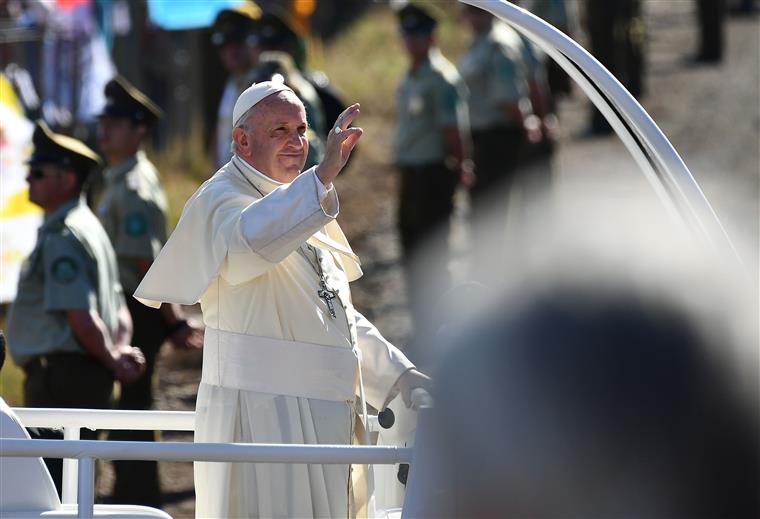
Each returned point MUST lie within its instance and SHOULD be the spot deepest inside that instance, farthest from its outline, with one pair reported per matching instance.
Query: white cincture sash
(279, 367)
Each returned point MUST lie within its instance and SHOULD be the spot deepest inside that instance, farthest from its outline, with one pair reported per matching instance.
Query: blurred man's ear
(72, 182)
(142, 131)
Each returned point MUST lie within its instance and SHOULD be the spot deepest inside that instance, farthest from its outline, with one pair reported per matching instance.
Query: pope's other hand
(340, 142)
(412, 384)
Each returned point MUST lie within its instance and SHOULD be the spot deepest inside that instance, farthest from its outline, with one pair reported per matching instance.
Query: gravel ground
(711, 114)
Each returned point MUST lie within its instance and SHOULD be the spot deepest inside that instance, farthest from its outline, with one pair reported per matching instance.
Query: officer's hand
(340, 142)
(550, 128)
(188, 337)
(414, 387)
(467, 176)
(532, 129)
(130, 364)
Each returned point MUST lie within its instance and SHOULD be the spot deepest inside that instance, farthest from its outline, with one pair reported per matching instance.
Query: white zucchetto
(252, 95)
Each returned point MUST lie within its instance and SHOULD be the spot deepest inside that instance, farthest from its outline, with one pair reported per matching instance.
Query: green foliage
(12, 384)
(11, 376)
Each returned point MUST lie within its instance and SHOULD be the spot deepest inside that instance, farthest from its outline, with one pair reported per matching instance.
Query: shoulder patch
(65, 270)
(133, 180)
(135, 224)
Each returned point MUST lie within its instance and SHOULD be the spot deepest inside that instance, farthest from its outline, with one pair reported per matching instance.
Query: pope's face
(276, 137)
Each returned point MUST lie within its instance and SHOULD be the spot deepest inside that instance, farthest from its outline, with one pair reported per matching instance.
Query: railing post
(69, 483)
(86, 491)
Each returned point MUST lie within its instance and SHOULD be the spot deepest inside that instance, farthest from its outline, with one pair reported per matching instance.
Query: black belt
(42, 361)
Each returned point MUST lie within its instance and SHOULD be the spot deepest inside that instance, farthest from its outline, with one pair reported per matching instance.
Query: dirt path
(711, 114)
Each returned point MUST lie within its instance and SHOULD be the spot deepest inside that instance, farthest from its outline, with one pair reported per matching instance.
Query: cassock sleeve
(382, 363)
(273, 227)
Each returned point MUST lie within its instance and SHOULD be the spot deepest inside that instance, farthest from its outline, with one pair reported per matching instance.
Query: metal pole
(86, 493)
(69, 480)
(106, 419)
(183, 451)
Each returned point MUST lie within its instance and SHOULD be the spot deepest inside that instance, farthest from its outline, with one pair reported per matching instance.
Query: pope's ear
(239, 137)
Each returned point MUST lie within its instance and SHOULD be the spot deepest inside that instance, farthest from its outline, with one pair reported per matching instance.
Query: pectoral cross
(328, 295)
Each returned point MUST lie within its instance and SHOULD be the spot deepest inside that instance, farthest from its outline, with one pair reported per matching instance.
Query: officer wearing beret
(132, 210)
(429, 149)
(69, 327)
(233, 35)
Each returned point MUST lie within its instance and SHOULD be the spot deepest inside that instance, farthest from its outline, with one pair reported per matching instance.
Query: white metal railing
(71, 421)
(78, 485)
(86, 451)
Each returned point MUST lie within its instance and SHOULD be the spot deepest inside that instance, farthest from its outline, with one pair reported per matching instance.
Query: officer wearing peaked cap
(279, 30)
(234, 36)
(133, 211)
(69, 328)
(430, 151)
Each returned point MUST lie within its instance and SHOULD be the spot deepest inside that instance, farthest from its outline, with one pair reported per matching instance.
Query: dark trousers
(66, 380)
(137, 482)
(616, 34)
(425, 207)
(711, 14)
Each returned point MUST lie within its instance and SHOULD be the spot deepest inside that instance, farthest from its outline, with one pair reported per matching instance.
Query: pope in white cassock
(287, 358)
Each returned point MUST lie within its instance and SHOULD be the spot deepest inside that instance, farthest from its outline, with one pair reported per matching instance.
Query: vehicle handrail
(86, 451)
(106, 419)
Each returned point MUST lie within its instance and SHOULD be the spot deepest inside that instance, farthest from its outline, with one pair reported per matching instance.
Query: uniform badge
(416, 104)
(136, 224)
(133, 181)
(65, 270)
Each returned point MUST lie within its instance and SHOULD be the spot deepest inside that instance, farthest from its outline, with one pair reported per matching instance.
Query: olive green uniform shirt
(72, 267)
(133, 212)
(429, 99)
(494, 70)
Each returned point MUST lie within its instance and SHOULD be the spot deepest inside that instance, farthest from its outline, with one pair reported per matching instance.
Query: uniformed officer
(496, 74)
(234, 37)
(133, 212)
(503, 124)
(278, 30)
(69, 327)
(429, 150)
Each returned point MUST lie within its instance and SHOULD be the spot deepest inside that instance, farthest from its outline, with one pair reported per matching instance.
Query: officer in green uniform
(429, 150)
(234, 37)
(496, 75)
(69, 328)
(133, 212)
(504, 126)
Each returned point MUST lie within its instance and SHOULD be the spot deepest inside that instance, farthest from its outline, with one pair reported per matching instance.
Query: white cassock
(277, 366)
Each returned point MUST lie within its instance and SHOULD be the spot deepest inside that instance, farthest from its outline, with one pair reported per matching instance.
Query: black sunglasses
(38, 173)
